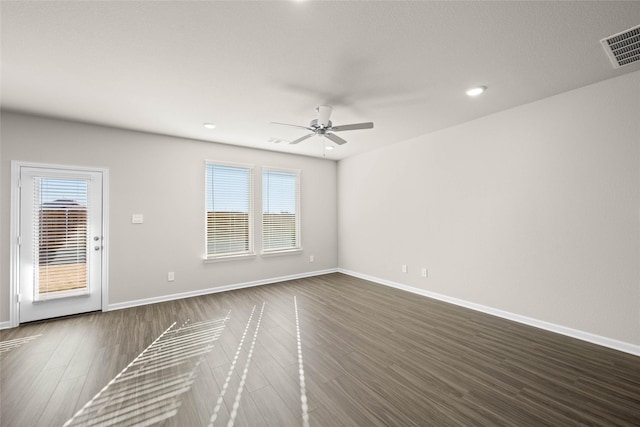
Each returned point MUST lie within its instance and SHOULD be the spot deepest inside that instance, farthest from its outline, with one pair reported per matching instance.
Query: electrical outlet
(137, 219)
(425, 272)
(404, 268)
(171, 276)
(311, 259)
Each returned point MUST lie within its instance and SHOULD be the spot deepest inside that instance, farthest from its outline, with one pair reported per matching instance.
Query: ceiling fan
(322, 126)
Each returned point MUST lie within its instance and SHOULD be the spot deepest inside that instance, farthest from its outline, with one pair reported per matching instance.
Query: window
(60, 237)
(229, 210)
(280, 210)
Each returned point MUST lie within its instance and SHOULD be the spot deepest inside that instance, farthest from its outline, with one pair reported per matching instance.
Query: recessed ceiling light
(475, 91)
(209, 125)
(328, 147)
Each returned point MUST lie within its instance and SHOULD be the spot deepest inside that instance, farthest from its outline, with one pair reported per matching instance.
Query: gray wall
(533, 210)
(163, 178)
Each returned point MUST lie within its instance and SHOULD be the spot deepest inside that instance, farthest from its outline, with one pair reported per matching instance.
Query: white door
(60, 242)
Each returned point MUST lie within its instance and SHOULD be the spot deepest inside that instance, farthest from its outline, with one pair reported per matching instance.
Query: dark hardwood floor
(324, 351)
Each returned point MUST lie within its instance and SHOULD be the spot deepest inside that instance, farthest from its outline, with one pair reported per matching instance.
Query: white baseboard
(5, 325)
(552, 327)
(163, 298)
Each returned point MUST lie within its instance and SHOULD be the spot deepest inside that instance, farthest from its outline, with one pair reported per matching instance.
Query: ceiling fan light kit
(322, 126)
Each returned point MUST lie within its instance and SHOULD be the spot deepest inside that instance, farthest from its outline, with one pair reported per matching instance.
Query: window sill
(229, 258)
(282, 252)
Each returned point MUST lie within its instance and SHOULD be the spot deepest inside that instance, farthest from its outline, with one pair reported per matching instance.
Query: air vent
(623, 48)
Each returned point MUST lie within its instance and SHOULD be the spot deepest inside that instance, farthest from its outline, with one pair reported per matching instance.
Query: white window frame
(282, 251)
(231, 255)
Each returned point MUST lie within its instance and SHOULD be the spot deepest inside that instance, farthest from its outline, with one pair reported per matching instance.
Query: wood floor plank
(287, 387)
(38, 395)
(274, 411)
(61, 406)
(248, 413)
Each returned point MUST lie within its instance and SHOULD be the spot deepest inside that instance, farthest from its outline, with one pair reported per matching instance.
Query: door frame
(14, 265)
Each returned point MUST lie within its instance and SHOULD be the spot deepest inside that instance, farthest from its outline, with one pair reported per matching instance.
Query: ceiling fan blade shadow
(335, 138)
(354, 126)
(295, 126)
(302, 138)
(331, 97)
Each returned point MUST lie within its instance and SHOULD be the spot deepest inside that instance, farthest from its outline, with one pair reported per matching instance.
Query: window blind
(229, 210)
(280, 210)
(60, 237)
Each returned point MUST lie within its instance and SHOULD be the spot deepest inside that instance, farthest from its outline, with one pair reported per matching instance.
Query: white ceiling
(168, 67)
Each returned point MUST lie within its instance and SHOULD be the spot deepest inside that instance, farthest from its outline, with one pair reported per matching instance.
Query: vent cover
(623, 48)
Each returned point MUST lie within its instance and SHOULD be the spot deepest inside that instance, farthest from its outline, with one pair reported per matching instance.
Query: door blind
(229, 210)
(60, 237)
(280, 210)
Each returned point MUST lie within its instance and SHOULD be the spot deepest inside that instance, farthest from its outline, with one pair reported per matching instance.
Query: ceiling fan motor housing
(319, 128)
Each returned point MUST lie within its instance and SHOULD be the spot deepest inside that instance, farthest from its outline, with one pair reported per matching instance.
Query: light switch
(137, 219)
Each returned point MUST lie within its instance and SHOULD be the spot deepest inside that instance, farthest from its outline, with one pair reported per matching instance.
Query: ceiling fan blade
(354, 126)
(295, 126)
(302, 138)
(335, 138)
